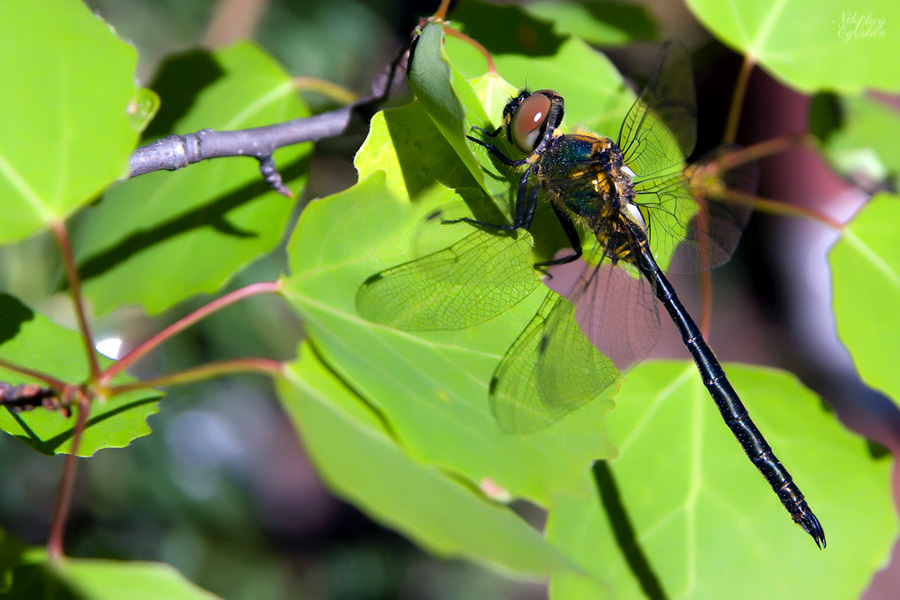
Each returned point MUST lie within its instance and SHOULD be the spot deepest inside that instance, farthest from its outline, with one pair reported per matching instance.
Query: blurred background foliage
(222, 490)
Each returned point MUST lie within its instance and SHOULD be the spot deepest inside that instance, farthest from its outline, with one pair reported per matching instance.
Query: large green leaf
(66, 132)
(32, 340)
(355, 454)
(856, 136)
(601, 23)
(431, 388)
(37, 577)
(827, 45)
(396, 148)
(162, 237)
(866, 270)
(681, 513)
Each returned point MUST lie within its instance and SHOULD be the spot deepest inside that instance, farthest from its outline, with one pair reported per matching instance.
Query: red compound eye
(526, 123)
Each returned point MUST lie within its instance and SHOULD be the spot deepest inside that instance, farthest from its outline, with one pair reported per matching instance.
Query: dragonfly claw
(811, 525)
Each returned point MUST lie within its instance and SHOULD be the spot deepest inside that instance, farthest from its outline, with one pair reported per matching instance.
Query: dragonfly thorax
(585, 175)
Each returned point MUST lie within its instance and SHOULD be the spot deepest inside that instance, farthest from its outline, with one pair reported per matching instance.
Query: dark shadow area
(12, 315)
(624, 532)
(507, 29)
(180, 80)
(11, 549)
(30, 581)
(634, 21)
(826, 116)
(486, 210)
(422, 152)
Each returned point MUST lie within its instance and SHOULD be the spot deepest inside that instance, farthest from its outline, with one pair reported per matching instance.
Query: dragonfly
(625, 206)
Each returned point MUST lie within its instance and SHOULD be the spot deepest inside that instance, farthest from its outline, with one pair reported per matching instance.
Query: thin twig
(28, 396)
(266, 287)
(332, 91)
(176, 151)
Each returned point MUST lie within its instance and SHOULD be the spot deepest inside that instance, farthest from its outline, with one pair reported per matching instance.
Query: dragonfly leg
(497, 152)
(571, 232)
(526, 204)
(486, 132)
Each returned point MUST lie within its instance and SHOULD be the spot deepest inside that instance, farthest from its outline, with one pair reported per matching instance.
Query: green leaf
(32, 340)
(11, 549)
(431, 388)
(601, 23)
(812, 46)
(681, 513)
(506, 29)
(210, 219)
(353, 451)
(396, 147)
(866, 271)
(143, 109)
(595, 93)
(66, 131)
(447, 98)
(37, 577)
(856, 137)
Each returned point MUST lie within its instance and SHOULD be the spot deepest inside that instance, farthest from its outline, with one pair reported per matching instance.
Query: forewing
(694, 225)
(658, 133)
(467, 283)
(660, 129)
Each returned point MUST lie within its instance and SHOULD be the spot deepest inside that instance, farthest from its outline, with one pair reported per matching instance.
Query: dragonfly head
(531, 117)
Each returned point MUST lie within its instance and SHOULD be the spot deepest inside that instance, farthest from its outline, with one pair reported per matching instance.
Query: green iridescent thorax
(584, 174)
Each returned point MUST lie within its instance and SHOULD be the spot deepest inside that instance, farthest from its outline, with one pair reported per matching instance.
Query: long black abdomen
(730, 405)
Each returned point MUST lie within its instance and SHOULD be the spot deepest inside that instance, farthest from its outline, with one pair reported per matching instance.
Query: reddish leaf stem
(265, 366)
(65, 248)
(767, 148)
(56, 384)
(472, 42)
(67, 483)
(441, 12)
(737, 100)
(266, 287)
(776, 207)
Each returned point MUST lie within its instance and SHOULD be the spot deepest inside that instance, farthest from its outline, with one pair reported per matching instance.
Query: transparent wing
(716, 226)
(465, 284)
(616, 309)
(689, 229)
(660, 129)
(692, 224)
(550, 370)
